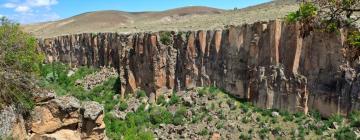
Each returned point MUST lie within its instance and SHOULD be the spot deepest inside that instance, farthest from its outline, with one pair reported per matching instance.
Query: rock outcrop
(54, 118)
(268, 63)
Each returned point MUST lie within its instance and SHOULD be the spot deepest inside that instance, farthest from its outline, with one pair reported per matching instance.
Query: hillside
(183, 19)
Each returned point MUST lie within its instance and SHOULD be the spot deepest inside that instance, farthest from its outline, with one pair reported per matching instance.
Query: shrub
(204, 132)
(345, 133)
(160, 115)
(123, 106)
(354, 118)
(179, 116)
(220, 125)
(202, 92)
(245, 120)
(316, 115)
(140, 93)
(20, 61)
(165, 38)
(263, 133)
(306, 11)
(336, 118)
(221, 115)
(245, 137)
(277, 130)
(354, 39)
(245, 107)
(161, 100)
(174, 99)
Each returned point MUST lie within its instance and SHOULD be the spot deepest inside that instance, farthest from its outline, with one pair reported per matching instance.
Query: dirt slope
(186, 18)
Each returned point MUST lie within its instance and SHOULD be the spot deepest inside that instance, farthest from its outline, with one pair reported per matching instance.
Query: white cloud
(22, 9)
(9, 5)
(30, 11)
(42, 3)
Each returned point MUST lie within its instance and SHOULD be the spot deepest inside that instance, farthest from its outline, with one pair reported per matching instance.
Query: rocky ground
(197, 113)
(208, 113)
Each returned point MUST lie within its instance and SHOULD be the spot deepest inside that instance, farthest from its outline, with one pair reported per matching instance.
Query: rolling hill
(185, 18)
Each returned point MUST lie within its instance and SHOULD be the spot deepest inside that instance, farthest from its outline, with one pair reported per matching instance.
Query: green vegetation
(204, 132)
(19, 65)
(174, 99)
(179, 116)
(325, 15)
(307, 11)
(159, 115)
(354, 39)
(345, 133)
(140, 93)
(165, 38)
(161, 100)
(355, 119)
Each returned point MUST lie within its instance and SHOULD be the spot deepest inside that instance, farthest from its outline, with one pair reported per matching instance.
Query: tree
(327, 15)
(19, 64)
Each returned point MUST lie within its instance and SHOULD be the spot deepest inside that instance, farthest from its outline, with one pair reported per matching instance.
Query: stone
(275, 114)
(152, 98)
(215, 136)
(64, 134)
(12, 124)
(187, 100)
(91, 109)
(43, 96)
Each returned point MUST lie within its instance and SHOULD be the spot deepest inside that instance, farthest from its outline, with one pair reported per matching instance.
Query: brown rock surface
(299, 73)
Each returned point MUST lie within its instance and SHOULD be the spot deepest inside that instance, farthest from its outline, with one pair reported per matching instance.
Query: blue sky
(31, 11)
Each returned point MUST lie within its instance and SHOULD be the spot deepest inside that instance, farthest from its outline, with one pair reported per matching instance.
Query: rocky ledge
(55, 118)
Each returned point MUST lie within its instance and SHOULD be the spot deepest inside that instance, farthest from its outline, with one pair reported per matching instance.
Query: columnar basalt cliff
(268, 63)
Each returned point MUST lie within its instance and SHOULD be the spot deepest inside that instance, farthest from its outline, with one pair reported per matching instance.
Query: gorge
(267, 63)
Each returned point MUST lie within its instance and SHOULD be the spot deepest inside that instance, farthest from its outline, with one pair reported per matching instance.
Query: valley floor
(199, 113)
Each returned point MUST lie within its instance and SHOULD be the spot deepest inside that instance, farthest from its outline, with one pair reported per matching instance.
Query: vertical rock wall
(268, 63)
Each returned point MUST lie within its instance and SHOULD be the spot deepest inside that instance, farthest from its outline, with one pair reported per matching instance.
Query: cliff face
(268, 63)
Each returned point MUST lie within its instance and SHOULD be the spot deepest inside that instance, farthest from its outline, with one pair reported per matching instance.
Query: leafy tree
(19, 64)
(327, 15)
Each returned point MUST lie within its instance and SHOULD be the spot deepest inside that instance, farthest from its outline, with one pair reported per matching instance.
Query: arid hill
(186, 18)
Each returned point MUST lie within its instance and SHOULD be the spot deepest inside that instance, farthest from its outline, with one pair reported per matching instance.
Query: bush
(174, 99)
(165, 38)
(204, 132)
(345, 133)
(306, 11)
(20, 61)
(354, 39)
(160, 115)
(354, 118)
(140, 93)
(245, 137)
(123, 106)
(161, 100)
(179, 116)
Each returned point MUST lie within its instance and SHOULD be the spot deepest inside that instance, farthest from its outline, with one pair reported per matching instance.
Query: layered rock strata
(268, 63)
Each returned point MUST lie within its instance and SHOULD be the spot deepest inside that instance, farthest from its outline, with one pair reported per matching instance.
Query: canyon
(270, 64)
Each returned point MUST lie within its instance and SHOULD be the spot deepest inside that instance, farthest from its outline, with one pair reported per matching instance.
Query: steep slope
(180, 19)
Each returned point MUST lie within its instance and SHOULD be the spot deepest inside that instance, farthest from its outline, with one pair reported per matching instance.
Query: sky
(32, 11)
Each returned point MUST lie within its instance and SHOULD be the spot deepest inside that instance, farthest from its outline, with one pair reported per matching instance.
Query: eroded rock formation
(268, 63)
(55, 118)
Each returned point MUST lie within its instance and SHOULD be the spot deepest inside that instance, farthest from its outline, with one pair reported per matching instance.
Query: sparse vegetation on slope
(200, 113)
(19, 65)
